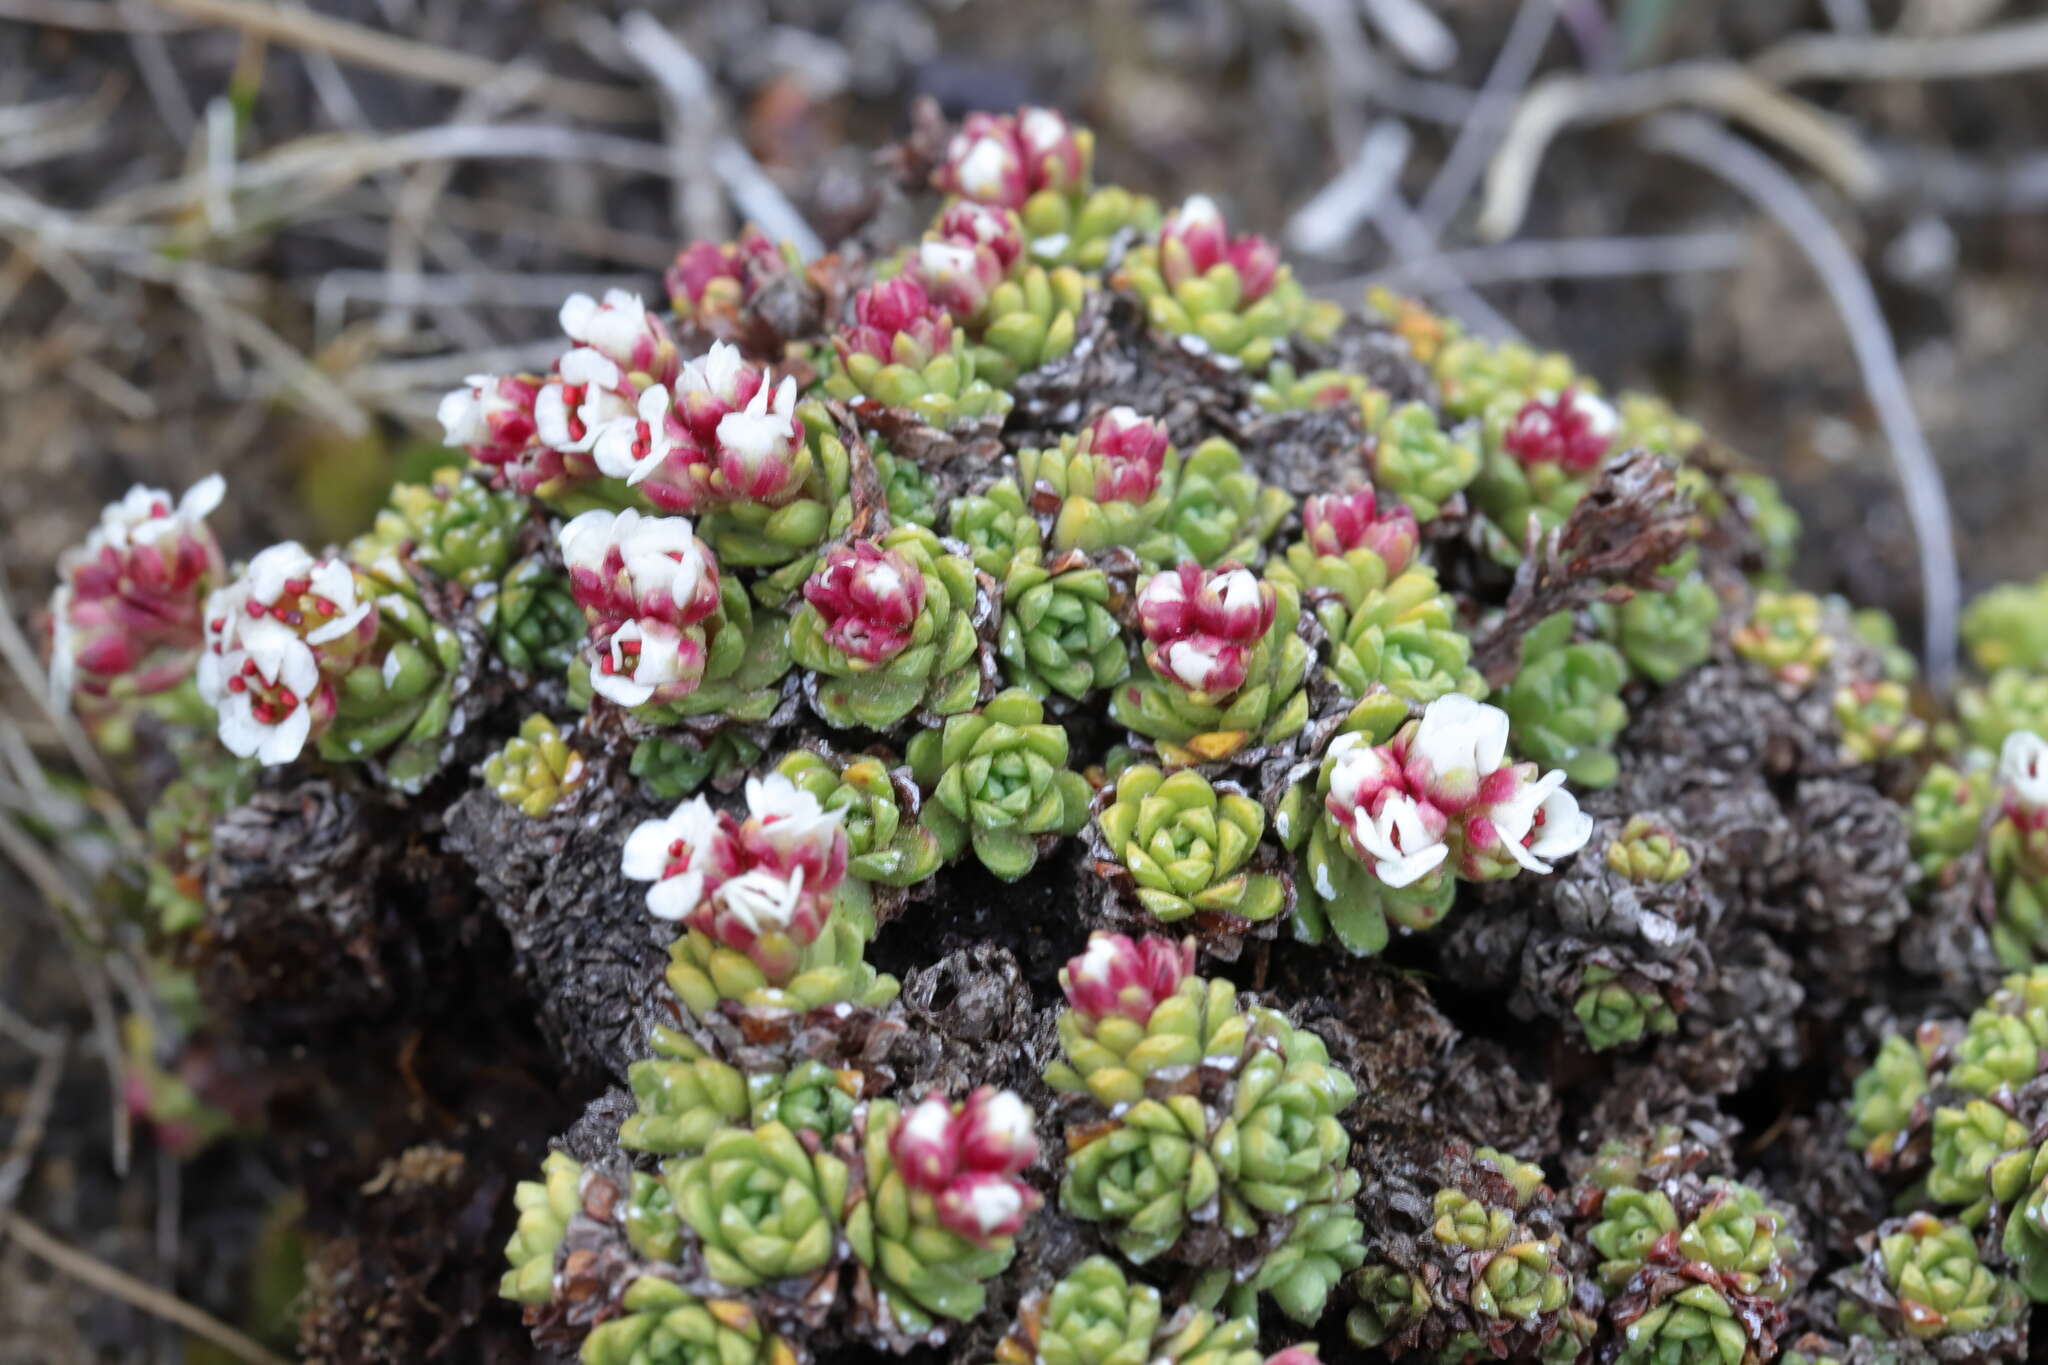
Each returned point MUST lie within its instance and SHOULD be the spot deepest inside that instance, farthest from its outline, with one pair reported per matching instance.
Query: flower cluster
(647, 586)
(1122, 977)
(539, 433)
(276, 639)
(1573, 430)
(1201, 627)
(1402, 822)
(867, 599)
(724, 432)
(761, 886)
(1336, 524)
(1443, 783)
(710, 283)
(1004, 159)
(968, 1157)
(126, 618)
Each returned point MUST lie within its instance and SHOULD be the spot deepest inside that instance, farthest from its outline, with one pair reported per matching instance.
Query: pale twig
(1322, 225)
(413, 214)
(1772, 189)
(699, 139)
(690, 116)
(160, 73)
(1410, 240)
(2021, 46)
(1678, 253)
(295, 26)
(35, 1114)
(97, 1274)
(1562, 101)
(321, 166)
(1424, 41)
(87, 16)
(1516, 61)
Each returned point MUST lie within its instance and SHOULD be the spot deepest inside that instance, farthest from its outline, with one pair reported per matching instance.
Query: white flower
(2023, 766)
(1402, 848)
(144, 515)
(717, 372)
(616, 327)
(465, 413)
(992, 1204)
(1460, 735)
(599, 401)
(662, 552)
(1097, 960)
(790, 819)
(1008, 1119)
(1198, 210)
(1238, 590)
(1360, 769)
(336, 582)
(760, 433)
(1600, 417)
(271, 569)
(1194, 662)
(684, 834)
(760, 899)
(658, 662)
(614, 450)
(282, 661)
(586, 539)
(983, 168)
(1163, 590)
(1042, 129)
(1565, 827)
(930, 1122)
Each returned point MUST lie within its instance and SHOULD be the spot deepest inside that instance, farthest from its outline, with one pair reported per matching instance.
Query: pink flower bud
(1202, 625)
(1338, 523)
(895, 321)
(957, 276)
(706, 279)
(1120, 976)
(1573, 430)
(1129, 451)
(996, 1132)
(622, 331)
(1053, 157)
(984, 162)
(868, 600)
(967, 223)
(491, 417)
(924, 1145)
(127, 616)
(982, 1207)
(1004, 159)
(1195, 239)
(624, 566)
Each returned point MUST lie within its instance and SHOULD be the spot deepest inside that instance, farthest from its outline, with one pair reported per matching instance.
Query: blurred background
(264, 238)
